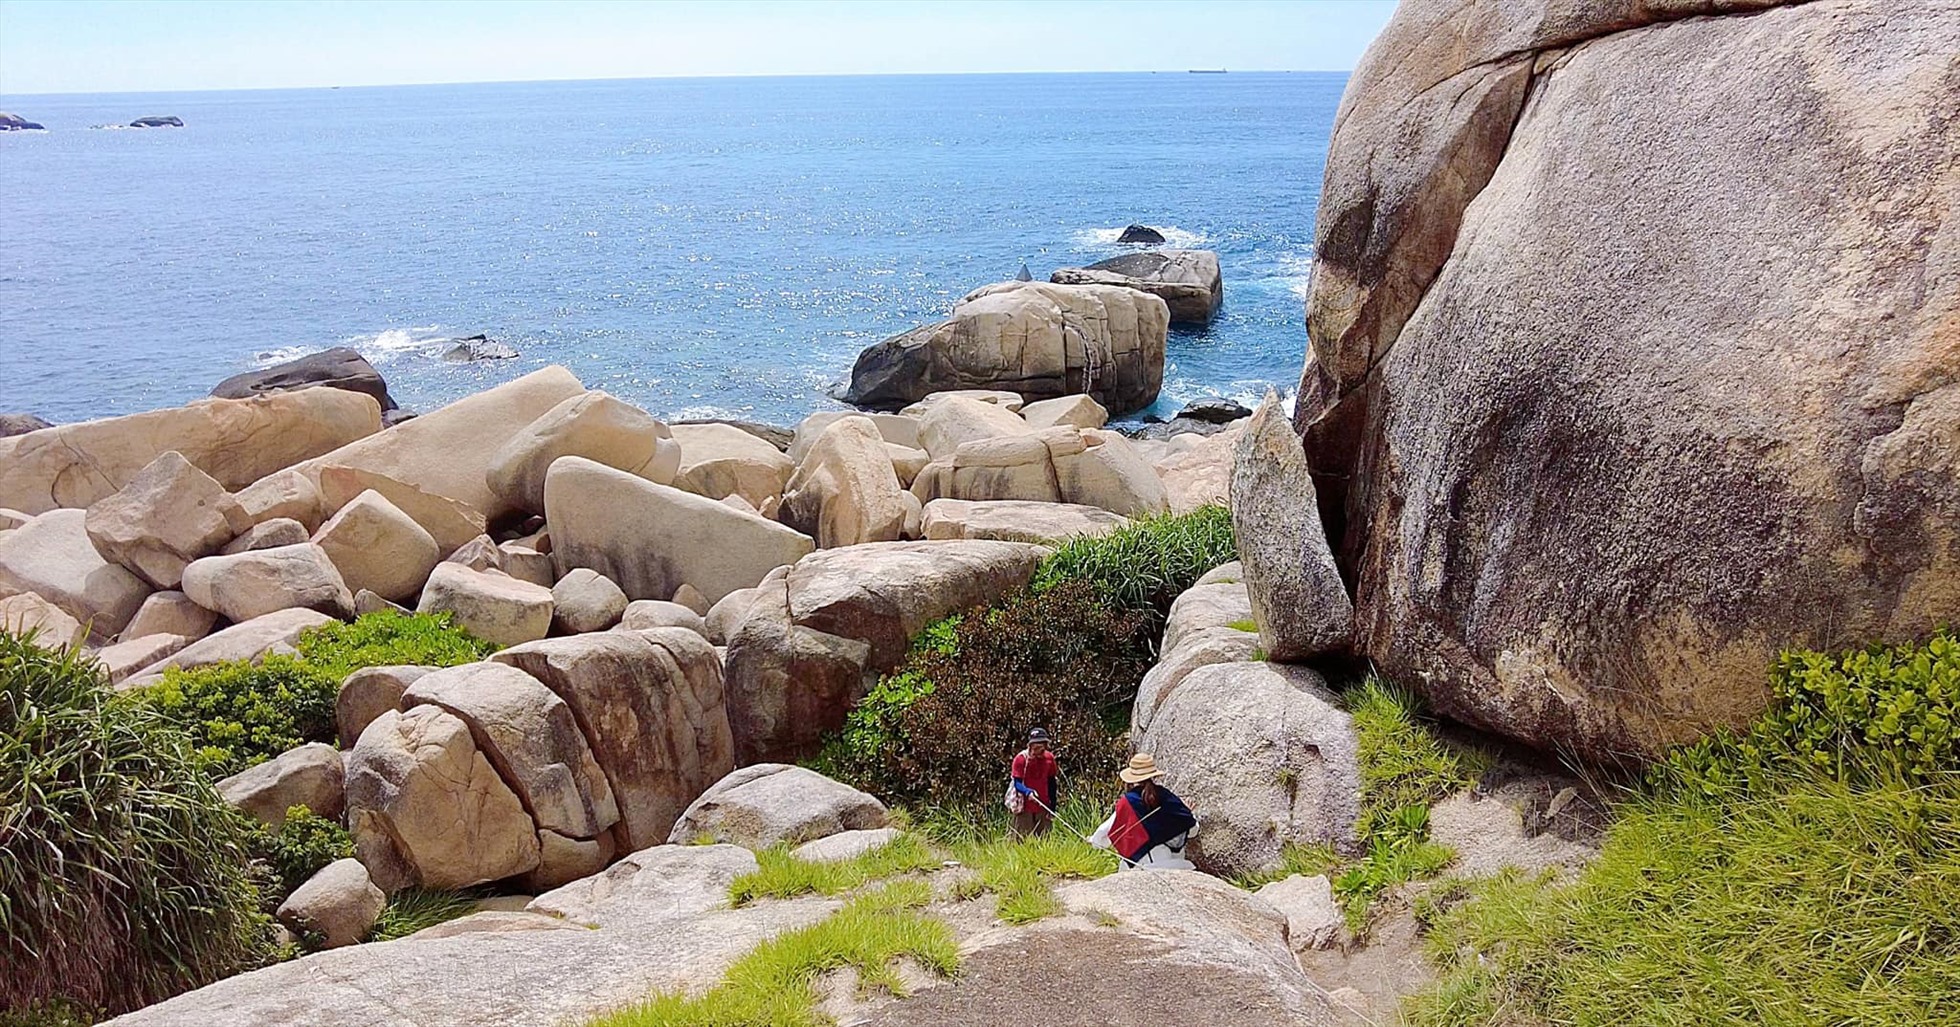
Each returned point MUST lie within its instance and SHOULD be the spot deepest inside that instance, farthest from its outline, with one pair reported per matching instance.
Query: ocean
(700, 247)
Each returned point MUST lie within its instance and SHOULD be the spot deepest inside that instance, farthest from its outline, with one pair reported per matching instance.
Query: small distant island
(166, 121)
(16, 123)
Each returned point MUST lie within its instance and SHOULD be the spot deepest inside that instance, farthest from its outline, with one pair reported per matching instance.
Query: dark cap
(1038, 735)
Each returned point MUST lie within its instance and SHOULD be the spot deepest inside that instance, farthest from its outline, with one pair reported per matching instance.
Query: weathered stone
(336, 368)
(134, 653)
(1016, 521)
(488, 604)
(1188, 281)
(530, 735)
(368, 693)
(1009, 401)
(585, 600)
(448, 452)
(651, 539)
(1267, 755)
(1054, 465)
(1298, 599)
(478, 554)
(170, 613)
(246, 641)
(11, 519)
(1199, 475)
(1034, 338)
(450, 522)
(562, 860)
(787, 684)
(279, 531)
(377, 547)
(718, 460)
(954, 421)
(426, 807)
(727, 615)
(1077, 411)
(691, 597)
(594, 426)
(337, 906)
(1201, 648)
(20, 423)
(846, 845)
(897, 429)
(52, 557)
(310, 776)
(288, 494)
(248, 585)
(642, 614)
(1206, 607)
(1313, 918)
(906, 462)
(526, 564)
(168, 515)
(366, 602)
(650, 705)
(845, 492)
(236, 441)
(773, 804)
(53, 628)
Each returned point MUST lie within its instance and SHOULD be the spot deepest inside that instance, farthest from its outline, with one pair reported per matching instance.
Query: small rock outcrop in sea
(339, 368)
(21, 424)
(165, 121)
(16, 123)
(478, 347)
(1188, 281)
(1585, 500)
(1214, 410)
(1141, 235)
(1033, 338)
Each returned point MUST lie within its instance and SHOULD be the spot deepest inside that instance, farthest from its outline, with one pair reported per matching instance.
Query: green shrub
(386, 637)
(239, 715)
(413, 909)
(1147, 564)
(941, 729)
(301, 847)
(123, 877)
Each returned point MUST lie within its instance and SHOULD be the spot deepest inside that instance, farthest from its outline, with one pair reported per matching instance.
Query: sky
(91, 46)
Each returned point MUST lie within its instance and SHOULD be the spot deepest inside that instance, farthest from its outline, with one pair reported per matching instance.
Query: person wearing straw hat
(1031, 791)
(1150, 824)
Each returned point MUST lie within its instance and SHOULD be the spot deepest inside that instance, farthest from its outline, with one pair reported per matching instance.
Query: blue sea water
(705, 247)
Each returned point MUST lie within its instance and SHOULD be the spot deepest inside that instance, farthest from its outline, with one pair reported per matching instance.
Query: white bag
(1014, 801)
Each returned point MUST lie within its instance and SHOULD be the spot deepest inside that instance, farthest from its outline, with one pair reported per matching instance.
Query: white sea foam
(1179, 238)
(384, 345)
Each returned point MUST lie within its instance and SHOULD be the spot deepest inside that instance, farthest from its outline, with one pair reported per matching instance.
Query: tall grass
(123, 875)
(781, 875)
(1148, 563)
(413, 909)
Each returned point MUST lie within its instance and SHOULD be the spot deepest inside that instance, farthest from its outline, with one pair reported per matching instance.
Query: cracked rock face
(1634, 353)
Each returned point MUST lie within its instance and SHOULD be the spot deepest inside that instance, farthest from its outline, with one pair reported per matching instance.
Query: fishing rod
(1057, 817)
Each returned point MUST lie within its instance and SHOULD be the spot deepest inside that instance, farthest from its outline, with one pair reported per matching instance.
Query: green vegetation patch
(301, 847)
(1021, 872)
(413, 909)
(781, 875)
(775, 984)
(123, 877)
(1804, 872)
(387, 637)
(1403, 763)
(1147, 564)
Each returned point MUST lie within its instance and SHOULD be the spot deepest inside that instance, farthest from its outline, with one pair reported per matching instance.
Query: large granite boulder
(1198, 473)
(491, 605)
(593, 425)
(311, 775)
(650, 706)
(283, 495)
(1012, 520)
(451, 523)
(953, 421)
(1265, 755)
(52, 557)
(770, 804)
(1612, 402)
(1080, 411)
(1034, 338)
(335, 907)
(368, 693)
(650, 539)
(1188, 281)
(1054, 465)
(1298, 599)
(846, 491)
(427, 808)
(51, 626)
(337, 368)
(73, 465)
(449, 451)
(168, 515)
(897, 429)
(800, 651)
(377, 547)
(721, 460)
(247, 585)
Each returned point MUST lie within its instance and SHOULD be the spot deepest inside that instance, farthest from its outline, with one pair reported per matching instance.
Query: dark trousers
(1031, 821)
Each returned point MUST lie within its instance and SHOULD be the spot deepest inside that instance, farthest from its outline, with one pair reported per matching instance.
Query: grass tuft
(1403, 763)
(413, 909)
(387, 637)
(1021, 872)
(1148, 563)
(781, 875)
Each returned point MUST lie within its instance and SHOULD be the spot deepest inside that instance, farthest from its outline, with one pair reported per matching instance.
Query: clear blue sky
(83, 46)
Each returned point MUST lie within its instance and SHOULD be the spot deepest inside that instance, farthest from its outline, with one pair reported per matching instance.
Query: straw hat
(1142, 768)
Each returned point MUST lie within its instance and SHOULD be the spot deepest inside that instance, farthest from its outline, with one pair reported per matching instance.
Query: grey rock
(310, 776)
(772, 804)
(271, 534)
(1298, 599)
(585, 600)
(337, 368)
(21, 424)
(338, 905)
(1188, 281)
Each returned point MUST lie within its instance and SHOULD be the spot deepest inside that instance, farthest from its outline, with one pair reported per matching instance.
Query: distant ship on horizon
(1207, 71)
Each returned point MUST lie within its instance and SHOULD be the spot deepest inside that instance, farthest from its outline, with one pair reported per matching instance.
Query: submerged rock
(478, 347)
(158, 121)
(16, 123)
(21, 424)
(1141, 235)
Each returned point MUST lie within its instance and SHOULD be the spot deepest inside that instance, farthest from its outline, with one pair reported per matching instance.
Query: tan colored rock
(1078, 411)
(1054, 465)
(650, 704)
(368, 693)
(377, 547)
(651, 539)
(950, 423)
(585, 600)
(169, 514)
(1016, 521)
(1010, 401)
(1198, 475)
(845, 492)
(642, 614)
(720, 460)
(170, 613)
(245, 641)
(562, 860)
(725, 616)
(906, 462)
(735, 501)
(11, 519)
(1112, 475)
(898, 429)
(289, 494)
(247, 585)
(915, 518)
(1297, 596)
(451, 522)
(530, 735)
(135, 653)
(1313, 918)
(448, 452)
(53, 628)
(426, 807)
(310, 775)
(236, 441)
(527, 564)
(595, 426)
(773, 804)
(488, 604)
(52, 557)
(338, 905)
(279, 531)
(478, 554)
(691, 597)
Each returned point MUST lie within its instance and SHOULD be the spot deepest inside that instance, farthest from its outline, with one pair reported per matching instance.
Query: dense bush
(1147, 564)
(300, 847)
(386, 637)
(123, 877)
(242, 714)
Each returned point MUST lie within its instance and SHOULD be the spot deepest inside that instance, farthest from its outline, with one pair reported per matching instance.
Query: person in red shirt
(1034, 781)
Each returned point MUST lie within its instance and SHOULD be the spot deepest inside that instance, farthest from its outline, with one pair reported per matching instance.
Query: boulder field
(1634, 355)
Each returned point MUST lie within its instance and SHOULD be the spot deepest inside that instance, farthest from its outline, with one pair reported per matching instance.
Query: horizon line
(681, 78)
